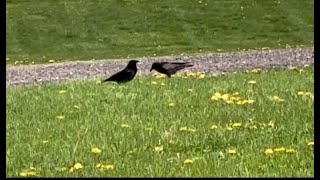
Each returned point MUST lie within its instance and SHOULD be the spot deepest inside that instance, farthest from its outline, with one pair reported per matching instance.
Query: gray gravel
(208, 63)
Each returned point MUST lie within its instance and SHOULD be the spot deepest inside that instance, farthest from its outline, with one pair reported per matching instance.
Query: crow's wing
(175, 66)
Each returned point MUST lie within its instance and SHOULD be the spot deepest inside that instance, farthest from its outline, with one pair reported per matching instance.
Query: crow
(126, 75)
(169, 68)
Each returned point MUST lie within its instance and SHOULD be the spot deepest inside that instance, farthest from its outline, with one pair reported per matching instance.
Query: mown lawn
(37, 32)
(256, 124)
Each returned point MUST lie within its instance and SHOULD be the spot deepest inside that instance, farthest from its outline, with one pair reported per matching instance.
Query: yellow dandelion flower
(236, 94)
(231, 151)
(217, 94)
(300, 71)
(77, 107)
(252, 82)
(158, 76)
(277, 98)
(190, 90)
(158, 149)
(183, 129)
(256, 70)
(191, 130)
(71, 169)
(60, 117)
(44, 142)
(171, 104)
(188, 161)
(236, 125)
(96, 150)
(229, 128)
(162, 84)
(214, 127)
(301, 93)
(229, 102)
(51, 61)
(78, 166)
(32, 168)
(225, 97)
(311, 143)
(268, 151)
(61, 169)
(124, 125)
(62, 91)
(154, 82)
(290, 150)
(190, 74)
(250, 101)
(241, 102)
(25, 174)
(107, 167)
(214, 98)
(281, 149)
(201, 76)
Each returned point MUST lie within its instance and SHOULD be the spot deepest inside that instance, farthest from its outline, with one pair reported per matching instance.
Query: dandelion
(311, 143)
(231, 151)
(277, 99)
(96, 150)
(154, 82)
(229, 102)
(44, 142)
(191, 130)
(214, 98)
(124, 125)
(268, 151)
(229, 128)
(201, 76)
(256, 70)
(188, 161)
(159, 76)
(217, 94)
(77, 107)
(171, 104)
(250, 101)
(60, 117)
(162, 84)
(158, 149)
(236, 125)
(190, 90)
(183, 128)
(105, 166)
(62, 91)
(225, 97)
(61, 169)
(252, 82)
(214, 127)
(282, 149)
(236, 94)
(26, 174)
(290, 150)
(51, 61)
(78, 166)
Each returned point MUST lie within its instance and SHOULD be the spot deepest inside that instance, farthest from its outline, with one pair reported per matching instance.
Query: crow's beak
(151, 69)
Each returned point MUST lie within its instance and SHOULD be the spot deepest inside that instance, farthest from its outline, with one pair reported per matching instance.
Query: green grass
(83, 30)
(101, 109)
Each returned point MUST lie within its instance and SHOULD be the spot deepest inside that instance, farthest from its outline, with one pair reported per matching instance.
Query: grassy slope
(31, 119)
(70, 30)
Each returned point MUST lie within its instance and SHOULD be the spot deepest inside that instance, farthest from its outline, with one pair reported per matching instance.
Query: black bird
(126, 75)
(169, 68)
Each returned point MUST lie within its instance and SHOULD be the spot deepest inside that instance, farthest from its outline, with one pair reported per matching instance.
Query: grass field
(84, 30)
(165, 127)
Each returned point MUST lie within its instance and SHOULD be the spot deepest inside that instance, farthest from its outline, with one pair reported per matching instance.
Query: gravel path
(209, 63)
